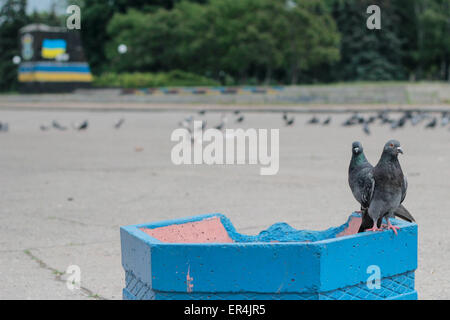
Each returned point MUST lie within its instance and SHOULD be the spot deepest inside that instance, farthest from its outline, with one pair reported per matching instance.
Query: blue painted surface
(301, 265)
(399, 287)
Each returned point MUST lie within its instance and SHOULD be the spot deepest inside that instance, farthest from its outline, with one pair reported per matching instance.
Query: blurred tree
(96, 14)
(369, 54)
(245, 37)
(434, 38)
(12, 18)
(312, 37)
(159, 41)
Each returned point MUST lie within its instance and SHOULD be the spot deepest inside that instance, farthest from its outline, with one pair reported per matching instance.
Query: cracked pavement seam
(58, 275)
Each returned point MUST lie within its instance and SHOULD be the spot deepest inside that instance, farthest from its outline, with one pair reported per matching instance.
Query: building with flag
(52, 60)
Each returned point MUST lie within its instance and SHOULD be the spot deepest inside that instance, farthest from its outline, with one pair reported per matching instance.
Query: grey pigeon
(366, 128)
(58, 126)
(83, 126)
(362, 184)
(360, 176)
(389, 189)
(417, 118)
(314, 120)
(445, 119)
(119, 123)
(327, 121)
(222, 123)
(288, 122)
(432, 124)
(4, 127)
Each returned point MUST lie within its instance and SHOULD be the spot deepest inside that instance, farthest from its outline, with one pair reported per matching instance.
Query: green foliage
(246, 39)
(96, 14)
(369, 54)
(12, 18)
(434, 41)
(174, 78)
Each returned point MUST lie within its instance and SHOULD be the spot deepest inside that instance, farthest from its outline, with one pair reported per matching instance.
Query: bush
(174, 78)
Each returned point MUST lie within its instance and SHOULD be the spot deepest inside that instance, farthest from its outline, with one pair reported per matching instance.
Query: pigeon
(202, 112)
(362, 184)
(360, 176)
(119, 123)
(58, 126)
(400, 123)
(349, 122)
(384, 117)
(371, 119)
(44, 127)
(432, 124)
(327, 121)
(445, 119)
(417, 118)
(4, 127)
(236, 112)
(83, 126)
(358, 118)
(366, 128)
(354, 119)
(222, 123)
(390, 186)
(240, 119)
(313, 120)
(288, 122)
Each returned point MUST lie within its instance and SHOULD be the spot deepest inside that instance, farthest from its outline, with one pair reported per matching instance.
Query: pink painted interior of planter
(205, 231)
(353, 227)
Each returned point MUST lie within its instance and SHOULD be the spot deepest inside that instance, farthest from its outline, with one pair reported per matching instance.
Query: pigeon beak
(356, 150)
(400, 150)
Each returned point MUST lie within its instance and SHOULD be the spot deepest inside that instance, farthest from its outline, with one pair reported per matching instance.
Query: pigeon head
(393, 148)
(357, 148)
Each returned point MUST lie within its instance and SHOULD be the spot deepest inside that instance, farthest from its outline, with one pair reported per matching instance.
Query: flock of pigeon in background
(384, 117)
(76, 126)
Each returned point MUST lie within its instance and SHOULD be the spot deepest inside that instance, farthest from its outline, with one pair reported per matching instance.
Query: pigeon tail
(404, 214)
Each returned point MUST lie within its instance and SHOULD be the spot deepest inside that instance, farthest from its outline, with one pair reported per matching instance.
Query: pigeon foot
(392, 227)
(374, 229)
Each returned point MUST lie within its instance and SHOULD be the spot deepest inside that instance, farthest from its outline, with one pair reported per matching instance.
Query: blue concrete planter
(179, 259)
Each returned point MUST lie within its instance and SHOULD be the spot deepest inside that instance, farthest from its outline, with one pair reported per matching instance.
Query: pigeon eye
(391, 145)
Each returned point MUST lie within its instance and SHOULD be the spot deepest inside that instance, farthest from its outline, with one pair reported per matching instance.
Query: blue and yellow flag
(51, 48)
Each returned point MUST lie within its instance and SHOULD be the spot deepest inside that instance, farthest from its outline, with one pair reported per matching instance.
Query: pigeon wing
(404, 188)
(367, 188)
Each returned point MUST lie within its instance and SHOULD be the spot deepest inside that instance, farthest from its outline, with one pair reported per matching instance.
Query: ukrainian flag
(54, 72)
(51, 48)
